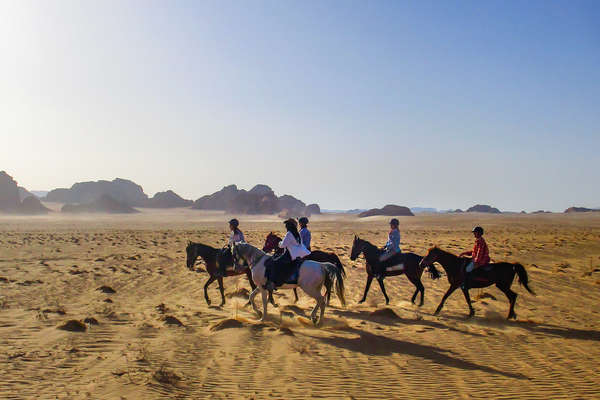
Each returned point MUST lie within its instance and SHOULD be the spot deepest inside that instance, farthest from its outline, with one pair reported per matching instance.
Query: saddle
(394, 263)
(292, 279)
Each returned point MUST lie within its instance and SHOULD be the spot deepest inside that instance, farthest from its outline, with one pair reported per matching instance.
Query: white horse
(311, 277)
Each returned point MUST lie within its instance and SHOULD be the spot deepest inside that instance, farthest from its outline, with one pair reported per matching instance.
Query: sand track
(51, 269)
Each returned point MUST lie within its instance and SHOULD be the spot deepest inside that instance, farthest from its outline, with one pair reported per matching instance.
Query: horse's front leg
(369, 280)
(382, 286)
(210, 280)
(222, 290)
(263, 292)
(451, 289)
(295, 296)
(251, 300)
(468, 299)
(271, 299)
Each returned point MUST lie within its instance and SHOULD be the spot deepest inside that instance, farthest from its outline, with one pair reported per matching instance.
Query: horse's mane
(190, 244)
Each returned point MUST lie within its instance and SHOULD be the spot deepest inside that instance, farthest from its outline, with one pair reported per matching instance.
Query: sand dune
(152, 334)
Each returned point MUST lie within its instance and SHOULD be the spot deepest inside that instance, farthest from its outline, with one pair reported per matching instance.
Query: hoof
(437, 312)
(471, 314)
(208, 301)
(361, 301)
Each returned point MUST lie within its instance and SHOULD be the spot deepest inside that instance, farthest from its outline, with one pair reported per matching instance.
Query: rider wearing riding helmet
(391, 248)
(304, 232)
(279, 267)
(480, 255)
(235, 237)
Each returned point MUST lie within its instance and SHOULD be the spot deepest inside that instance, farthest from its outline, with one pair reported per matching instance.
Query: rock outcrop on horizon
(10, 198)
(579, 209)
(390, 210)
(122, 190)
(484, 208)
(24, 193)
(168, 199)
(104, 204)
(261, 199)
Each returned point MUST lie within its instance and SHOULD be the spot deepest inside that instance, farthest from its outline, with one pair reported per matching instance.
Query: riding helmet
(234, 222)
(478, 229)
(394, 221)
(291, 221)
(303, 220)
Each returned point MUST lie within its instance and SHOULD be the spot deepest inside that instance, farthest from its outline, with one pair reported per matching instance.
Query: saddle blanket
(393, 268)
(293, 278)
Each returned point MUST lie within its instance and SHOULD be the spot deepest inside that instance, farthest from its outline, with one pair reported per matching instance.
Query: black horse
(412, 268)
(501, 274)
(210, 255)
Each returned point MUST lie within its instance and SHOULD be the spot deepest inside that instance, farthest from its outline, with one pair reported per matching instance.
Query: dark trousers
(279, 268)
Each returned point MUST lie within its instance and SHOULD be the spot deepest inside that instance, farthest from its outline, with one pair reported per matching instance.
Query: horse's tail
(332, 272)
(434, 273)
(339, 264)
(523, 278)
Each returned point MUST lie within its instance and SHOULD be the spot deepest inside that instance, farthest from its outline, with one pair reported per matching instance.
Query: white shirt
(236, 237)
(290, 243)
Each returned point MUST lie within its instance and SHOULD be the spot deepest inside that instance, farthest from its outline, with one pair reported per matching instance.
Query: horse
(272, 243)
(311, 277)
(412, 268)
(502, 274)
(209, 255)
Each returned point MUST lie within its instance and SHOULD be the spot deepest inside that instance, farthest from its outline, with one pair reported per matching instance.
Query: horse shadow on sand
(375, 345)
(394, 319)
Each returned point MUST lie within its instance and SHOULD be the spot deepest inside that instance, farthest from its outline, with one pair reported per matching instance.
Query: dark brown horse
(272, 243)
(209, 255)
(412, 268)
(501, 274)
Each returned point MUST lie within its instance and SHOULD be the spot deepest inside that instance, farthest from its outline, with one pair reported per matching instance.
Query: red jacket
(480, 253)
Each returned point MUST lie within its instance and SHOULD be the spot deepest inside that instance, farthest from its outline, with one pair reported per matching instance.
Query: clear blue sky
(351, 104)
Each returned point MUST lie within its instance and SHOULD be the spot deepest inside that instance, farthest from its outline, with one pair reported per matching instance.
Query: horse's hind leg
(468, 299)
(382, 286)
(271, 299)
(369, 280)
(206, 285)
(263, 292)
(222, 290)
(512, 298)
(321, 300)
(419, 288)
(251, 300)
(320, 305)
(295, 296)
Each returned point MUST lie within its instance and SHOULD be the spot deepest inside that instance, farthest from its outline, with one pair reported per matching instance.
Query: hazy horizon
(345, 104)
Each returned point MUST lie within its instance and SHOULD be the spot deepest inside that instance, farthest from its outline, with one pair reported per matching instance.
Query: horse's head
(357, 248)
(271, 242)
(191, 255)
(432, 256)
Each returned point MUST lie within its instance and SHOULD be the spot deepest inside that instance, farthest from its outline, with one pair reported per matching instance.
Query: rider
(480, 255)
(391, 248)
(304, 232)
(235, 237)
(279, 267)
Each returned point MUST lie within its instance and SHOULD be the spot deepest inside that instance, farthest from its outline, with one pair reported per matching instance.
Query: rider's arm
(287, 241)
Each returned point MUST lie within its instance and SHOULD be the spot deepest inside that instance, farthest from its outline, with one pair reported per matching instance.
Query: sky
(349, 104)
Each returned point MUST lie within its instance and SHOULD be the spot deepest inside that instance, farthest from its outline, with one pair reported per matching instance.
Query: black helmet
(291, 221)
(478, 229)
(234, 222)
(394, 221)
(303, 220)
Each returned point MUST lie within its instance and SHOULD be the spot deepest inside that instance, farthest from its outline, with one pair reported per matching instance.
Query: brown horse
(272, 243)
(501, 274)
(209, 255)
(412, 268)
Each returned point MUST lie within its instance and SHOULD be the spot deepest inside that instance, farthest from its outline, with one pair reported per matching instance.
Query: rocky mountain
(579, 209)
(104, 204)
(391, 210)
(9, 193)
(484, 208)
(261, 199)
(14, 199)
(122, 190)
(168, 199)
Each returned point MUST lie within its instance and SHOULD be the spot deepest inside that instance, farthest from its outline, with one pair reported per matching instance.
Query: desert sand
(155, 336)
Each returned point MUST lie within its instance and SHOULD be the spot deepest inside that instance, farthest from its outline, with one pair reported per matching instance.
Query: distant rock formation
(484, 208)
(104, 204)
(17, 200)
(33, 206)
(312, 209)
(542, 212)
(261, 199)
(390, 210)
(168, 199)
(579, 209)
(122, 190)
(23, 193)
(419, 210)
(9, 193)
